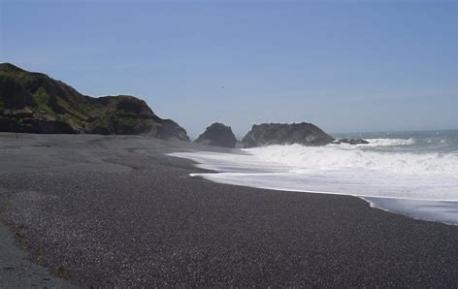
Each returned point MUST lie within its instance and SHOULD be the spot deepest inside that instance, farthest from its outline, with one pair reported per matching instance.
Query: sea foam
(377, 142)
(337, 169)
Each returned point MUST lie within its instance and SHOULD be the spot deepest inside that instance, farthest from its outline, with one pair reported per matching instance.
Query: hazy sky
(344, 65)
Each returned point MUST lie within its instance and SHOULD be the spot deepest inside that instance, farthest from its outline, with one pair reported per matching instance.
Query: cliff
(35, 103)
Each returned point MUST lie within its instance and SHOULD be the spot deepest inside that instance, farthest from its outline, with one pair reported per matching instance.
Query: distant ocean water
(411, 173)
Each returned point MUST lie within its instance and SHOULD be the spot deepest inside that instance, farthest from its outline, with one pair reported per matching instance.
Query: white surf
(338, 169)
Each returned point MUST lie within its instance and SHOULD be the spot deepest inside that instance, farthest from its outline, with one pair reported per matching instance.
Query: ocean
(409, 173)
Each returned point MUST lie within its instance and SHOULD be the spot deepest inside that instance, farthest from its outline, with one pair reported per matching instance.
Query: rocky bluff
(35, 103)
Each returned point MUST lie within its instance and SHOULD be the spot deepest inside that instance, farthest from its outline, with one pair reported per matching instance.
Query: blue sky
(344, 65)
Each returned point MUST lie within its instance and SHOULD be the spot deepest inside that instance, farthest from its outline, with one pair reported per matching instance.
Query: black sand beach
(116, 212)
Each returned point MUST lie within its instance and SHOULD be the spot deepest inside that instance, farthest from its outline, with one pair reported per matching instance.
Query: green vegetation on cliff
(35, 103)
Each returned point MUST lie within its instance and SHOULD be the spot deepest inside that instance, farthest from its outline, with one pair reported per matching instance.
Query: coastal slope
(35, 103)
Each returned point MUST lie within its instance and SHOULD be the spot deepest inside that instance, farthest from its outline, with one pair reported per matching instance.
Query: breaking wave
(375, 142)
(337, 169)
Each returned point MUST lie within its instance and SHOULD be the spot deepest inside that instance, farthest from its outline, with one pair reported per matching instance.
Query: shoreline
(231, 169)
(116, 211)
(424, 210)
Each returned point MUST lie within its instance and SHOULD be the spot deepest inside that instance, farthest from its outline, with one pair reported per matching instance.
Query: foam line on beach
(324, 170)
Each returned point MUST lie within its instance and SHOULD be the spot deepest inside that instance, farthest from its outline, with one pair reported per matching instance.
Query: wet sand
(116, 212)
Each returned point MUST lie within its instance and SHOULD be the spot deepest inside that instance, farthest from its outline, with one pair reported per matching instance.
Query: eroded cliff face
(35, 103)
(282, 133)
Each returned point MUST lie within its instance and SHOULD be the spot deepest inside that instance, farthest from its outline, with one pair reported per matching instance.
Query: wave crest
(336, 170)
(377, 142)
(335, 158)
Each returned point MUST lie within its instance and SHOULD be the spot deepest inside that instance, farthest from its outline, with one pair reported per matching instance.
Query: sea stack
(35, 103)
(283, 133)
(218, 134)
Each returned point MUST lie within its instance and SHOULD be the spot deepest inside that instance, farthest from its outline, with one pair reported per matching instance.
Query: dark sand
(115, 212)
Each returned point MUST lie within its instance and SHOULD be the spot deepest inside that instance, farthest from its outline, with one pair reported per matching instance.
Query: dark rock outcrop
(351, 141)
(35, 103)
(218, 134)
(171, 130)
(280, 133)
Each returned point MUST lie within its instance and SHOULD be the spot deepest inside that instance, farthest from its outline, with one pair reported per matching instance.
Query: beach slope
(117, 212)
